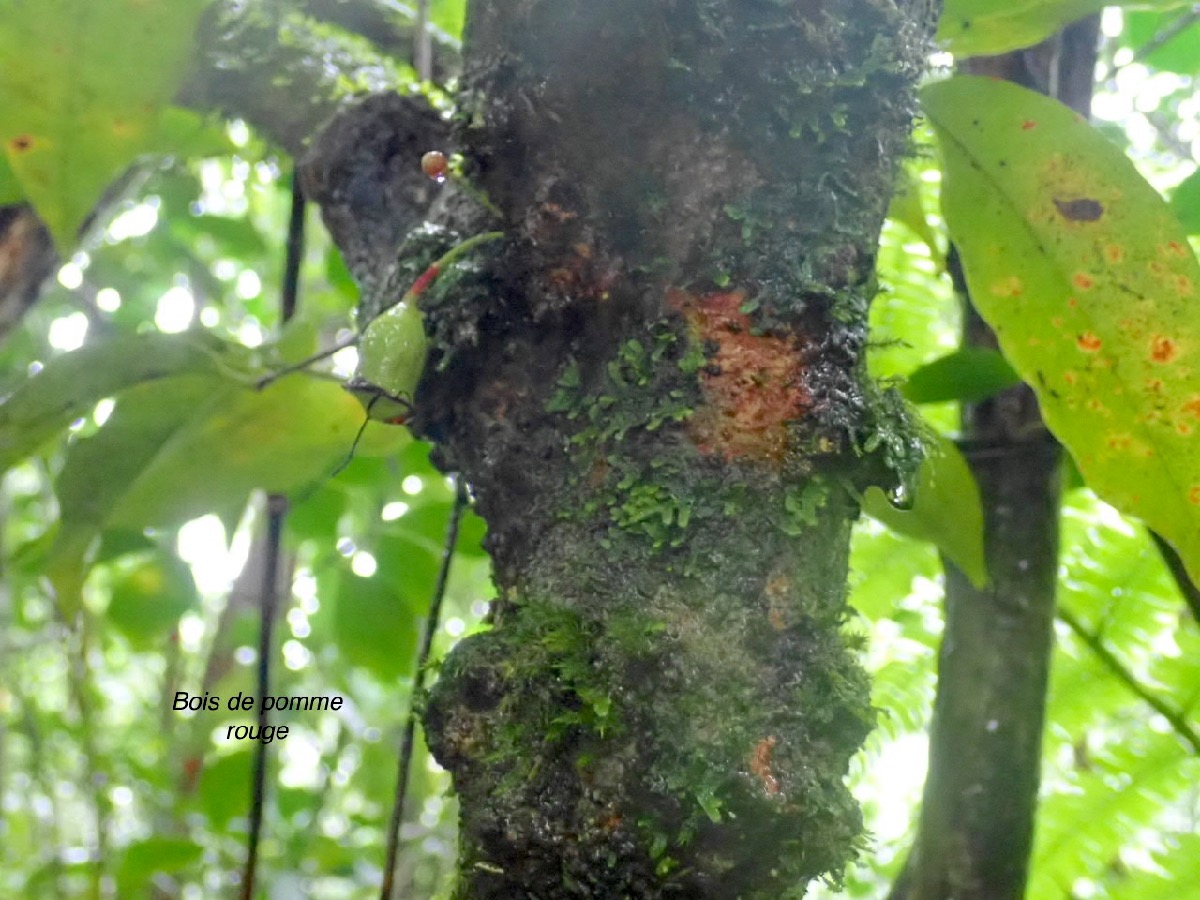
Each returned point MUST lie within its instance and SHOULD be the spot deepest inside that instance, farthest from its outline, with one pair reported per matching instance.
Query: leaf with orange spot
(1109, 339)
(83, 84)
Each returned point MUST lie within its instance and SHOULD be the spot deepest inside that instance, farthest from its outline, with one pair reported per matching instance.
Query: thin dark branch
(1093, 642)
(1187, 588)
(294, 253)
(1167, 34)
(276, 512)
(410, 726)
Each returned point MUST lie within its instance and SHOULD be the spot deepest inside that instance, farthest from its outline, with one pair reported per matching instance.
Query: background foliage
(131, 496)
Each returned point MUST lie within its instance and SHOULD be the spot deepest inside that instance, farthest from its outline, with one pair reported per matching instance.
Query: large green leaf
(945, 510)
(968, 375)
(1090, 284)
(69, 386)
(186, 446)
(976, 27)
(83, 84)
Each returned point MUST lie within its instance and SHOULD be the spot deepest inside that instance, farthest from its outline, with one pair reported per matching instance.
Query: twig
(1174, 717)
(277, 505)
(1171, 31)
(1187, 588)
(406, 746)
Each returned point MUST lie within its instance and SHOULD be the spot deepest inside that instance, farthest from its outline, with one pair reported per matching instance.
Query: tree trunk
(980, 800)
(654, 385)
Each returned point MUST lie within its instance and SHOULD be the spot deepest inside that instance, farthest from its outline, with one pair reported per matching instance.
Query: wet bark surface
(653, 383)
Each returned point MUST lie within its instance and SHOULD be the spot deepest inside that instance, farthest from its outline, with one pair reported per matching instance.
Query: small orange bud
(434, 164)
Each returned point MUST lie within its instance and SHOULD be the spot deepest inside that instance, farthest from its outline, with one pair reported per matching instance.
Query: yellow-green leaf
(977, 27)
(1091, 287)
(83, 84)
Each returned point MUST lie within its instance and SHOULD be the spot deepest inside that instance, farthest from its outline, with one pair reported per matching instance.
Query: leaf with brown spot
(1096, 311)
(1081, 210)
(83, 84)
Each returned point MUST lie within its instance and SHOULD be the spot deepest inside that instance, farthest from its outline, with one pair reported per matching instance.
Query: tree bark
(654, 385)
(980, 800)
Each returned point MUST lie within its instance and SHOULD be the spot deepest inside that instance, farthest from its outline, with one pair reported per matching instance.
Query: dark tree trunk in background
(654, 385)
(976, 830)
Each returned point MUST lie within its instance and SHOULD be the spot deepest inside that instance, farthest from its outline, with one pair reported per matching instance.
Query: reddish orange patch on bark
(1163, 349)
(1192, 407)
(1028, 125)
(21, 143)
(1183, 285)
(1070, 377)
(1089, 343)
(1082, 281)
(1114, 253)
(1194, 495)
(1072, 302)
(753, 384)
(760, 764)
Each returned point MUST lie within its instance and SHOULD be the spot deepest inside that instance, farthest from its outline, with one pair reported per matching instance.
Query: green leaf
(945, 510)
(99, 470)
(1178, 52)
(84, 83)
(908, 208)
(1089, 283)
(148, 600)
(375, 627)
(70, 386)
(969, 376)
(1185, 203)
(156, 855)
(977, 27)
(10, 188)
(283, 438)
(186, 446)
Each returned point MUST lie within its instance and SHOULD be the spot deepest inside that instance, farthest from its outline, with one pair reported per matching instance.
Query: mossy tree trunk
(654, 385)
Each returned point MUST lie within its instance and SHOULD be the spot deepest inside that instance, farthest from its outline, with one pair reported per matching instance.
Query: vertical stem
(423, 43)
(408, 742)
(277, 505)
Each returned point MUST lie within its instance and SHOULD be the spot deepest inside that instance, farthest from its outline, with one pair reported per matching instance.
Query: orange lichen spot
(22, 143)
(753, 385)
(1192, 406)
(1070, 377)
(760, 764)
(1007, 287)
(1120, 442)
(1082, 281)
(1163, 349)
(1177, 249)
(1183, 285)
(1095, 405)
(1028, 125)
(1072, 302)
(1183, 428)
(1089, 342)
(1194, 495)
(1114, 253)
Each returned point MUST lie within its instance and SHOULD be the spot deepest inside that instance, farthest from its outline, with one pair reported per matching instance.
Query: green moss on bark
(655, 388)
